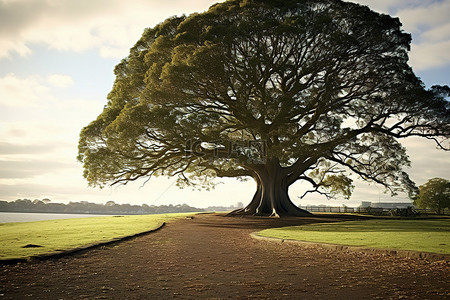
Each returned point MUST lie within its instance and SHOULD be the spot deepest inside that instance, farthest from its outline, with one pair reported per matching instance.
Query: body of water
(7, 217)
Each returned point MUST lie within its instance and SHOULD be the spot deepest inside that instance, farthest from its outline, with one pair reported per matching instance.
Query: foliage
(434, 194)
(376, 211)
(279, 91)
(416, 235)
(404, 212)
(38, 206)
(53, 236)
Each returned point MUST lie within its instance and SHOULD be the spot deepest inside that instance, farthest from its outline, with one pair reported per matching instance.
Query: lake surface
(7, 217)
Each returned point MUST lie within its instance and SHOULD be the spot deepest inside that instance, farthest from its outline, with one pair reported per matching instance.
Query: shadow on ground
(260, 223)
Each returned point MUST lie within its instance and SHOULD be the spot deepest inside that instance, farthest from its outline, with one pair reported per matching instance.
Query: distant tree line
(85, 207)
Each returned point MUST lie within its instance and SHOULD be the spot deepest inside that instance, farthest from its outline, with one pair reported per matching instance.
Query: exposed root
(275, 214)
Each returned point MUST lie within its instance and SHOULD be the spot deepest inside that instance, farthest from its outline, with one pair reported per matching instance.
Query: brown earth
(214, 257)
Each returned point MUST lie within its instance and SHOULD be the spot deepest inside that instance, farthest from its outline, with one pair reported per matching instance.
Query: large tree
(434, 194)
(275, 90)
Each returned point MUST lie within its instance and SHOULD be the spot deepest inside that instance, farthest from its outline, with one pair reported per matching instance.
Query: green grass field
(417, 235)
(56, 235)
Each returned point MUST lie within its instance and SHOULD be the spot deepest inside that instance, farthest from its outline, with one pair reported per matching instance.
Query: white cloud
(112, 25)
(32, 91)
(426, 56)
(32, 114)
(391, 6)
(378, 5)
(8, 46)
(432, 47)
(429, 24)
(16, 91)
(60, 81)
(437, 34)
(12, 148)
(426, 160)
(29, 168)
(424, 16)
(430, 28)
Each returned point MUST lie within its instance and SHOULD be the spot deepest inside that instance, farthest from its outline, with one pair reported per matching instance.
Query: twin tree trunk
(271, 197)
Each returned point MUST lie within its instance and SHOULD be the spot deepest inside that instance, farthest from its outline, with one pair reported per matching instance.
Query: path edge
(72, 251)
(392, 252)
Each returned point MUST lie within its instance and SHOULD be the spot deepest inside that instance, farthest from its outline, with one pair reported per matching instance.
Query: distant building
(388, 205)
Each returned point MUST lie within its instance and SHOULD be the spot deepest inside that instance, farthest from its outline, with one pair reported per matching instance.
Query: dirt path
(213, 257)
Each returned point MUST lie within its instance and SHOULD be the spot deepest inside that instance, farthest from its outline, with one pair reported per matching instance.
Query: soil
(214, 257)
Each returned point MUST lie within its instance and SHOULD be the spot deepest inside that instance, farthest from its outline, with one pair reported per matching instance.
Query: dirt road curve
(213, 257)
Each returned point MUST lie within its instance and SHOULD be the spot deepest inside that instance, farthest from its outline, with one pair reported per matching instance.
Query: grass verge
(416, 235)
(54, 236)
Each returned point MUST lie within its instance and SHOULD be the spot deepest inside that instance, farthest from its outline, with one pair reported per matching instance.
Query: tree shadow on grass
(362, 224)
(384, 226)
(260, 223)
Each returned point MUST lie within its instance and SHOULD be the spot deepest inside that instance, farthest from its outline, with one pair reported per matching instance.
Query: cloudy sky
(56, 68)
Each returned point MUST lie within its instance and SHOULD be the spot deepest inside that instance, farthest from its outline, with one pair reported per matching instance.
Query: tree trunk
(271, 197)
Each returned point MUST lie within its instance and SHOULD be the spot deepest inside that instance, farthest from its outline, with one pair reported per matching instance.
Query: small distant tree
(37, 201)
(434, 194)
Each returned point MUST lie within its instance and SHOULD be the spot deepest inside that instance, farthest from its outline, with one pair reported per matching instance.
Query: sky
(56, 69)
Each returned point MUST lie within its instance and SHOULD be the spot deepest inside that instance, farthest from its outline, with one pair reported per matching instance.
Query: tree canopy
(279, 91)
(434, 194)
